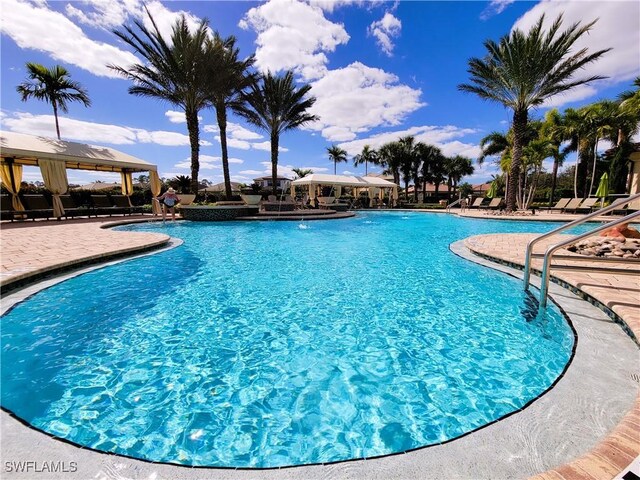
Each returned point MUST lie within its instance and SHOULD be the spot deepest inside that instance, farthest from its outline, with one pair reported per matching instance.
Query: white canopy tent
(374, 185)
(55, 156)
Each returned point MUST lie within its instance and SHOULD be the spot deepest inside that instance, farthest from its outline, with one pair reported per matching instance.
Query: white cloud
(331, 5)
(442, 137)
(287, 170)
(618, 26)
(266, 146)
(38, 28)
(207, 162)
(177, 116)
(78, 130)
(495, 7)
(385, 29)
(358, 98)
(251, 172)
(106, 14)
(293, 35)
(165, 18)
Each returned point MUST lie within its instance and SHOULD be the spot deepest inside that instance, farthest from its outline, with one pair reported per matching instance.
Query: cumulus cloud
(241, 138)
(384, 30)
(81, 131)
(443, 137)
(176, 116)
(36, 27)
(251, 172)
(287, 170)
(293, 35)
(358, 98)
(495, 7)
(618, 26)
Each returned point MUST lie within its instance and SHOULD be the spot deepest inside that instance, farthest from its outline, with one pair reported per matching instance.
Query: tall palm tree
(336, 155)
(533, 154)
(523, 70)
(627, 123)
(390, 157)
(367, 156)
(552, 130)
(53, 86)
(275, 105)
(174, 71)
(429, 155)
(229, 77)
(407, 161)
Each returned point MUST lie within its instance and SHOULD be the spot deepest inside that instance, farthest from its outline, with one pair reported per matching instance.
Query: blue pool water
(267, 344)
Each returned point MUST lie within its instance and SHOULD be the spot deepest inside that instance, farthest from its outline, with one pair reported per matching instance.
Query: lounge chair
(573, 204)
(6, 208)
(628, 208)
(562, 203)
(495, 203)
(103, 206)
(122, 202)
(477, 202)
(71, 209)
(587, 205)
(325, 202)
(37, 206)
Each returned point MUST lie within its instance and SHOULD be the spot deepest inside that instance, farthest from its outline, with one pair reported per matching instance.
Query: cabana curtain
(156, 186)
(54, 174)
(127, 184)
(11, 175)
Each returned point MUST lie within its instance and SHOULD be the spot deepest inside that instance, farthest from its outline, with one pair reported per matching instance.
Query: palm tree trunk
(55, 115)
(221, 113)
(554, 177)
(575, 174)
(366, 165)
(335, 166)
(194, 140)
(274, 161)
(520, 118)
(437, 190)
(593, 171)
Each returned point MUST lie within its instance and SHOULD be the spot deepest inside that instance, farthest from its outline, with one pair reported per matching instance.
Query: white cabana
(373, 185)
(55, 156)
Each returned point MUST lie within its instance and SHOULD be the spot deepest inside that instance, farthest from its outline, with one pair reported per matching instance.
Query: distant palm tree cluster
(410, 161)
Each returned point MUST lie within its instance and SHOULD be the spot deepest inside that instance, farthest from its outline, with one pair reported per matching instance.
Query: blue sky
(379, 70)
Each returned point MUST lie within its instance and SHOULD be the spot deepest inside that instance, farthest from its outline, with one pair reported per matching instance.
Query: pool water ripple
(266, 344)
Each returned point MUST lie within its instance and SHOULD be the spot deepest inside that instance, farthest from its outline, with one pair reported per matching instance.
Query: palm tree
(174, 71)
(302, 172)
(627, 123)
(533, 155)
(337, 155)
(229, 77)
(275, 105)
(367, 156)
(456, 168)
(389, 155)
(53, 86)
(429, 156)
(552, 130)
(407, 161)
(523, 70)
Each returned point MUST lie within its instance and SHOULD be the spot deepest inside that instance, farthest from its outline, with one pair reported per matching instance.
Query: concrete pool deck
(589, 421)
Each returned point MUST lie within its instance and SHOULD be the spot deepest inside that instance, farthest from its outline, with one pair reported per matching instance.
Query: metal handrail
(579, 221)
(544, 285)
(453, 203)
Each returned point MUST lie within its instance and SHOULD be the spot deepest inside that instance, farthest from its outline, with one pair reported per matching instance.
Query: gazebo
(373, 185)
(54, 157)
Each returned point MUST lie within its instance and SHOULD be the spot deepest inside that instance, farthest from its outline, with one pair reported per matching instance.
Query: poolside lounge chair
(6, 209)
(71, 209)
(477, 202)
(122, 202)
(495, 203)
(37, 206)
(103, 206)
(628, 208)
(560, 205)
(325, 202)
(587, 205)
(572, 205)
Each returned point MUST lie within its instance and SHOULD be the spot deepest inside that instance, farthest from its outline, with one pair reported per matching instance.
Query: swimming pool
(264, 344)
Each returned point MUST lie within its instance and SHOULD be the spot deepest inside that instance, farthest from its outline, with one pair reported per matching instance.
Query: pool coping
(182, 468)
